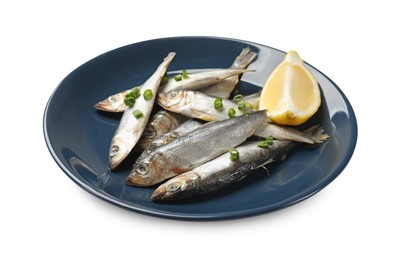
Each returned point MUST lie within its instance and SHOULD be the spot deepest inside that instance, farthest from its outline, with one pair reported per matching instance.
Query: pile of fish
(187, 142)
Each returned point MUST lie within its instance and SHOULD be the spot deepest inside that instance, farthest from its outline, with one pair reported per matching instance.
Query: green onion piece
(185, 75)
(129, 101)
(234, 154)
(178, 77)
(164, 80)
(241, 105)
(148, 94)
(263, 144)
(135, 92)
(231, 112)
(248, 105)
(269, 140)
(137, 113)
(218, 104)
(238, 98)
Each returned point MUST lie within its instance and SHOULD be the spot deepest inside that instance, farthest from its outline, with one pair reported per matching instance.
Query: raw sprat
(131, 127)
(214, 152)
(217, 82)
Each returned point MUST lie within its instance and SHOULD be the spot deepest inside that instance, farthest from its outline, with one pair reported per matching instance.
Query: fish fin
(311, 135)
(244, 58)
(232, 72)
(264, 164)
(317, 132)
(284, 133)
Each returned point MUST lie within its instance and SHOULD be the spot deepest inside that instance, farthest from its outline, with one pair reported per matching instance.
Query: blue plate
(78, 136)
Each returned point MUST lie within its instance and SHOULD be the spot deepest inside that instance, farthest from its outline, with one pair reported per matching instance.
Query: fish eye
(173, 93)
(114, 150)
(149, 132)
(112, 99)
(174, 187)
(142, 169)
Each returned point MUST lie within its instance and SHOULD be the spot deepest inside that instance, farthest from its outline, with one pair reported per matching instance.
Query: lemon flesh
(291, 94)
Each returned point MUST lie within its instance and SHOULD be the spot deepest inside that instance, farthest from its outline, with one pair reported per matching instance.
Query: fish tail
(244, 58)
(317, 132)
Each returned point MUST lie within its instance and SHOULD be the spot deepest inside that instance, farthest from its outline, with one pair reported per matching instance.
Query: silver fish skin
(224, 88)
(184, 128)
(130, 128)
(221, 171)
(198, 105)
(195, 104)
(160, 123)
(115, 102)
(199, 80)
(193, 149)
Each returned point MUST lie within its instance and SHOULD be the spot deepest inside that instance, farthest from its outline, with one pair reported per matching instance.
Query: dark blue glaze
(78, 137)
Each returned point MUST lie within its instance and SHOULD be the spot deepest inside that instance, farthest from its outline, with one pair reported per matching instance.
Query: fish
(198, 80)
(194, 104)
(221, 172)
(115, 102)
(224, 88)
(198, 105)
(193, 149)
(160, 123)
(130, 127)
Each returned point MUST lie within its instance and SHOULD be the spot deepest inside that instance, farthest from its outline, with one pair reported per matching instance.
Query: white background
(44, 215)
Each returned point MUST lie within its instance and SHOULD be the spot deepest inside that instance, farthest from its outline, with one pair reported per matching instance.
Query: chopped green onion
(148, 94)
(132, 96)
(218, 104)
(269, 140)
(178, 77)
(231, 112)
(164, 80)
(137, 113)
(241, 105)
(263, 144)
(238, 98)
(248, 105)
(129, 101)
(185, 75)
(135, 92)
(234, 154)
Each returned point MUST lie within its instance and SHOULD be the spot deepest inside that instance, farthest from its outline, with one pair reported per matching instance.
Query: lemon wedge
(291, 94)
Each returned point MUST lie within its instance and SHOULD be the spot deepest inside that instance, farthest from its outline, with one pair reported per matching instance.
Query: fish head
(114, 103)
(175, 99)
(180, 187)
(117, 152)
(164, 123)
(147, 171)
(148, 136)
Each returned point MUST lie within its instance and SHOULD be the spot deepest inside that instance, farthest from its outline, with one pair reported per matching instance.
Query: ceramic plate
(78, 136)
